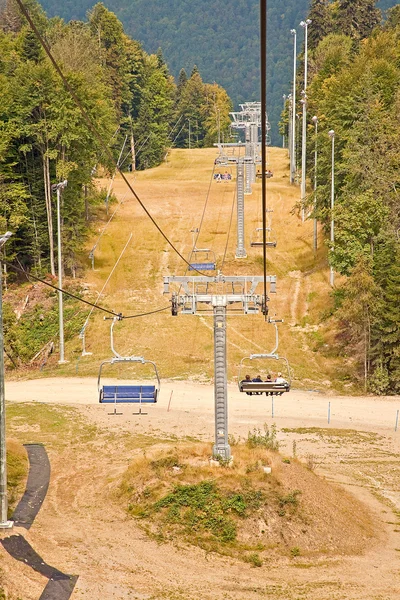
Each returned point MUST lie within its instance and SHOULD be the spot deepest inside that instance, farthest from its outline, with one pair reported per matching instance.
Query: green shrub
(254, 559)
(266, 439)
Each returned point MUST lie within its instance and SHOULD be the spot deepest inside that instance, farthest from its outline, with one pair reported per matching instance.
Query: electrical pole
(284, 107)
(293, 163)
(331, 134)
(290, 132)
(305, 25)
(4, 522)
(315, 241)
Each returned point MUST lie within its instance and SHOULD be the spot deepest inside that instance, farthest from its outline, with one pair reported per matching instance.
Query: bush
(257, 438)
(254, 559)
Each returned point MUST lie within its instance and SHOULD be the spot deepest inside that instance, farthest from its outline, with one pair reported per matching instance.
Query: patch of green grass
(254, 559)
(266, 439)
(39, 325)
(201, 509)
(32, 422)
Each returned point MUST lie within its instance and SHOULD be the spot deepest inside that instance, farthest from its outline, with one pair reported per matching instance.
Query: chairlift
(272, 387)
(225, 176)
(268, 174)
(127, 393)
(206, 262)
(257, 238)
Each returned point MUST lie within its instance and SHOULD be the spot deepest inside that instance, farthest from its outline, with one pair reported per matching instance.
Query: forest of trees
(127, 93)
(221, 38)
(354, 90)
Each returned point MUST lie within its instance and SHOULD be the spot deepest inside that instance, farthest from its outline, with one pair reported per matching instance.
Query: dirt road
(85, 531)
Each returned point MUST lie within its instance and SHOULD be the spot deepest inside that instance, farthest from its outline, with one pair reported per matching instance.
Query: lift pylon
(204, 290)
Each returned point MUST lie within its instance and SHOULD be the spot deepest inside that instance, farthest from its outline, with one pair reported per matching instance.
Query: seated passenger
(268, 380)
(280, 379)
(247, 379)
(256, 380)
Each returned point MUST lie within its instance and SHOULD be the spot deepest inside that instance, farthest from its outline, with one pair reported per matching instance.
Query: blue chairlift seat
(141, 394)
(204, 266)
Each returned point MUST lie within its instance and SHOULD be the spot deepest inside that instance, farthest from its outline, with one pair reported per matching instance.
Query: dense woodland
(221, 38)
(354, 90)
(128, 94)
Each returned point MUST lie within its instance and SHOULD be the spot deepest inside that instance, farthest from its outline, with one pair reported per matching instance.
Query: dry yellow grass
(17, 470)
(175, 194)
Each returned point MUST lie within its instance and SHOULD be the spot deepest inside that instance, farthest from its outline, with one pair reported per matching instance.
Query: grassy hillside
(182, 346)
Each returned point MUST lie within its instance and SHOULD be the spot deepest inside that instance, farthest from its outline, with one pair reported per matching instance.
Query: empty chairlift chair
(257, 238)
(124, 394)
(204, 260)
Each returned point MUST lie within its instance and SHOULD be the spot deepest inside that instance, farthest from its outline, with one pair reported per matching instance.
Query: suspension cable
(75, 297)
(204, 212)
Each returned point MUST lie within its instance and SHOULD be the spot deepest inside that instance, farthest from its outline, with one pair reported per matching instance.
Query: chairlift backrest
(118, 358)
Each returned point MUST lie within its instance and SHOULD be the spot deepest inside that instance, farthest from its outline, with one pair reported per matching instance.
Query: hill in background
(221, 39)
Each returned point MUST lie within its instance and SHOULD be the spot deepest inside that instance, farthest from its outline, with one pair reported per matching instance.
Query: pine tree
(321, 22)
(386, 332)
(359, 311)
(357, 18)
(393, 17)
(182, 80)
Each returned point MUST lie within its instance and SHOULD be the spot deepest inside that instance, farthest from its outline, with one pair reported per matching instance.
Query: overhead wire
(203, 214)
(75, 297)
(54, 287)
(263, 57)
(106, 282)
(93, 128)
(144, 142)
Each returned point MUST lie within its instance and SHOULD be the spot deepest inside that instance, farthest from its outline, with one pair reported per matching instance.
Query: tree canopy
(125, 92)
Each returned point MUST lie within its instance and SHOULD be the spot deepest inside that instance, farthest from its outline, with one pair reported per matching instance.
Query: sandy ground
(82, 530)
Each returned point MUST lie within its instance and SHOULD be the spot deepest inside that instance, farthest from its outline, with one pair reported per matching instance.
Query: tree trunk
(85, 192)
(133, 154)
(49, 210)
(365, 357)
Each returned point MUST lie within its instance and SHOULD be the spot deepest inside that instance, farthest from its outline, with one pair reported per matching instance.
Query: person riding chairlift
(247, 379)
(280, 379)
(257, 380)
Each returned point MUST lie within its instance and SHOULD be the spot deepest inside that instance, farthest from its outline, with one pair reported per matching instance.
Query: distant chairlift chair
(208, 262)
(257, 238)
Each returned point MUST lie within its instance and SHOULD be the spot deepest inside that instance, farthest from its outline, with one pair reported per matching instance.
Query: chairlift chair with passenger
(268, 174)
(270, 387)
